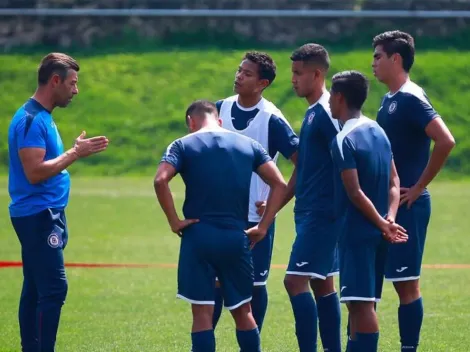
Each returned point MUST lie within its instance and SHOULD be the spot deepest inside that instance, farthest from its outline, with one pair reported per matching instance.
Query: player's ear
(55, 79)
(219, 120)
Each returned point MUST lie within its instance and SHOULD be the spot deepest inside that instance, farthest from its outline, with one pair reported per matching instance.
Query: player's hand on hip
(394, 233)
(260, 207)
(87, 146)
(255, 234)
(409, 195)
(180, 225)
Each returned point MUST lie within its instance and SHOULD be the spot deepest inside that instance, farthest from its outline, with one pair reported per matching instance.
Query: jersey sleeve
(342, 152)
(421, 111)
(218, 105)
(261, 155)
(174, 155)
(282, 137)
(31, 132)
(328, 126)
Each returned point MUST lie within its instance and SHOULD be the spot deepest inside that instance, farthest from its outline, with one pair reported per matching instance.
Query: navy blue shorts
(208, 251)
(315, 250)
(43, 237)
(362, 266)
(404, 259)
(262, 254)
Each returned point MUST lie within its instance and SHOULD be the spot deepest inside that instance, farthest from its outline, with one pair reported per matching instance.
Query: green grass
(138, 99)
(118, 220)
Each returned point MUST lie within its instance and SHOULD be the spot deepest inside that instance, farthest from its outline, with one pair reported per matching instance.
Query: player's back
(404, 117)
(216, 168)
(364, 142)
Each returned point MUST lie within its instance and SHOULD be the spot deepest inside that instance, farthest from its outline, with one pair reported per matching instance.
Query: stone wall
(64, 32)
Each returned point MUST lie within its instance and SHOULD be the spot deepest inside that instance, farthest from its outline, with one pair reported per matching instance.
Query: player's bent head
(312, 54)
(351, 87)
(200, 111)
(396, 43)
(59, 71)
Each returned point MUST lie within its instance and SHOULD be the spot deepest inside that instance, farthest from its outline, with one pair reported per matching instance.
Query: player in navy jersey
(39, 186)
(410, 122)
(313, 258)
(216, 166)
(249, 114)
(363, 158)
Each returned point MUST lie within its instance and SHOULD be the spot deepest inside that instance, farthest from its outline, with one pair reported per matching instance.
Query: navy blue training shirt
(314, 189)
(404, 117)
(32, 126)
(281, 136)
(363, 145)
(216, 166)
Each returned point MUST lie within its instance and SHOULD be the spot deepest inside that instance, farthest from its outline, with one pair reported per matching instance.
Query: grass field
(117, 220)
(138, 99)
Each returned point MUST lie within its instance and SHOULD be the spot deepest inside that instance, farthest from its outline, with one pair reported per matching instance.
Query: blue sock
(203, 341)
(305, 314)
(410, 319)
(366, 342)
(219, 302)
(249, 341)
(329, 321)
(259, 304)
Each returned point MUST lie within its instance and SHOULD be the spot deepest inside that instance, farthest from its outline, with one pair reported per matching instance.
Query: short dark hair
(397, 42)
(312, 53)
(56, 63)
(266, 65)
(353, 85)
(201, 108)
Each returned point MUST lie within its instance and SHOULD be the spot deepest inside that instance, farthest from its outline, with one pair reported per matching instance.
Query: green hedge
(138, 99)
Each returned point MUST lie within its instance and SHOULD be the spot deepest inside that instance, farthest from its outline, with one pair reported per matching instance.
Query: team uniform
(264, 123)
(314, 252)
(216, 167)
(363, 145)
(37, 215)
(404, 117)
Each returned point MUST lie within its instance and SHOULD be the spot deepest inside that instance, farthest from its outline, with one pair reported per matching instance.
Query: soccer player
(362, 154)
(313, 257)
(410, 122)
(249, 114)
(216, 166)
(39, 190)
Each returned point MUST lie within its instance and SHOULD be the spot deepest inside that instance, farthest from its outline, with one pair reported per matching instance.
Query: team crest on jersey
(392, 107)
(53, 240)
(310, 117)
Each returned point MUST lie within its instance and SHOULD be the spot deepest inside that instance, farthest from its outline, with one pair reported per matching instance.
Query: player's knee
(202, 316)
(54, 296)
(322, 288)
(296, 284)
(243, 317)
(408, 291)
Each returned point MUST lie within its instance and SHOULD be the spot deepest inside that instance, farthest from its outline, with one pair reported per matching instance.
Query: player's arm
(168, 168)
(393, 193)
(425, 117)
(444, 142)
(346, 163)
(32, 150)
(290, 190)
(284, 140)
(270, 174)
